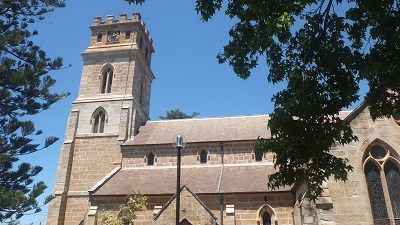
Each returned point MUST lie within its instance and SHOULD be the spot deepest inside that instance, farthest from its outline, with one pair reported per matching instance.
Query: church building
(112, 146)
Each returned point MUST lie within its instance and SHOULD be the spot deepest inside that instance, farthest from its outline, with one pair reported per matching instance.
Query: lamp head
(179, 141)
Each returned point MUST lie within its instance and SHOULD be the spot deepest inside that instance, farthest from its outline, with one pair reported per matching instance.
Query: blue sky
(187, 73)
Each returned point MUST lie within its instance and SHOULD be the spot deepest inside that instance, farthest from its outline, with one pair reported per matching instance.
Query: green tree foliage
(135, 201)
(322, 50)
(175, 114)
(24, 91)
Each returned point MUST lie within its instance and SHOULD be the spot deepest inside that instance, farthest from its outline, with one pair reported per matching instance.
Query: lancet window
(150, 159)
(106, 79)
(258, 155)
(98, 120)
(266, 219)
(203, 156)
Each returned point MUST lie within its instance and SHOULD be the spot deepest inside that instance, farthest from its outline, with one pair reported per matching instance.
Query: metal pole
(178, 185)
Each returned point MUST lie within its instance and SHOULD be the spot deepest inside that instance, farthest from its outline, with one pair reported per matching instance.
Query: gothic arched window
(382, 175)
(266, 215)
(203, 156)
(258, 155)
(150, 159)
(106, 79)
(98, 120)
(266, 219)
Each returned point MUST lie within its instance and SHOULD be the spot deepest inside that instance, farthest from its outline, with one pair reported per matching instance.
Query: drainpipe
(221, 197)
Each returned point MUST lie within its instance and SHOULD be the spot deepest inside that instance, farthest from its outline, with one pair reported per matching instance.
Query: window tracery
(382, 175)
(98, 120)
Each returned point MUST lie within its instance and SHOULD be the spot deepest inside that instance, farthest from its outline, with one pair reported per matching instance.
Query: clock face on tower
(113, 36)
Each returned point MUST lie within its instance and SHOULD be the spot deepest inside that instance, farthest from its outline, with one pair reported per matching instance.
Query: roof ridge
(210, 118)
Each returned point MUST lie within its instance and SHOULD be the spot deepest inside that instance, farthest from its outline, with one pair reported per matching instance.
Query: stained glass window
(382, 168)
(378, 152)
(393, 184)
(375, 191)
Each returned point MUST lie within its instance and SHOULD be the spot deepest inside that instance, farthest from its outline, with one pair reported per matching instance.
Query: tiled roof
(217, 129)
(201, 179)
(203, 130)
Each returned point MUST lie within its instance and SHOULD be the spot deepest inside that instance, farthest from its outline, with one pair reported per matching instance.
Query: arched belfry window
(150, 159)
(382, 175)
(127, 35)
(203, 156)
(99, 120)
(106, 79)
(99, 37)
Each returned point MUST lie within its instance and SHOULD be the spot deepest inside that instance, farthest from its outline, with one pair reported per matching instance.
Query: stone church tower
(113, 101)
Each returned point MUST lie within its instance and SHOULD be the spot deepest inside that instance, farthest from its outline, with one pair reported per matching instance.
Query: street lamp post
(179, 143)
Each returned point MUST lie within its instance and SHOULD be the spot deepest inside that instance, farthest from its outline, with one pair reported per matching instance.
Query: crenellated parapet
(122, 31)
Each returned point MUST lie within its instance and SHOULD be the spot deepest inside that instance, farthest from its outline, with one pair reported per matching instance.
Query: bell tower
(113, 101)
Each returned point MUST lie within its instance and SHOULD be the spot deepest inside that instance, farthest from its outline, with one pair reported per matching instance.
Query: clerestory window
(266, 219)
(150, 159)
(106, 79)
(203, 157)
(382, 175)
(258, 155)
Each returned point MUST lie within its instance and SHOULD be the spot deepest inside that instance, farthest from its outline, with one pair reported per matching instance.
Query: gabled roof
(203, 130)
(195, 197)
(203, 179)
